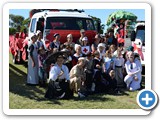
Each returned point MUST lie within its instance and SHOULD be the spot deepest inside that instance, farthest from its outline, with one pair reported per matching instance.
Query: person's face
(34, 38)
(85, 42)
(131, 57)
(69, 39)
(40, 35)
(121, 26)
(110, 34)
(101, 48)
(57, 37)
(60, 61)
(82, 63)
(82, 34)
(78, 50)
(42, 52)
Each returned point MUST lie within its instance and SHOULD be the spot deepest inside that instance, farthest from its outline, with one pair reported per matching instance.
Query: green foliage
(18, 23)
(12, 31)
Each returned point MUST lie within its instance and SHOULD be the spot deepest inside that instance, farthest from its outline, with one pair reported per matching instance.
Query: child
(41, 72)
(118, 66)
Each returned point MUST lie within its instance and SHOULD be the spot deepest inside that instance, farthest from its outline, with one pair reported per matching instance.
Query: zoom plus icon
(147, 99)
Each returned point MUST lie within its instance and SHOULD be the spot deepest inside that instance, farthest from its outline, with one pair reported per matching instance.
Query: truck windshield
(141, 35)
(69, 23)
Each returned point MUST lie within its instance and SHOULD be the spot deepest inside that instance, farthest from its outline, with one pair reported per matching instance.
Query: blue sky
(100, 13)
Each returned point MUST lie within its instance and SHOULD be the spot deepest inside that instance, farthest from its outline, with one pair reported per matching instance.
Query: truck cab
(63, 22)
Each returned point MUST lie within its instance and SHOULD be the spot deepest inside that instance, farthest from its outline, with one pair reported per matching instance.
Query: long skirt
(58, 89)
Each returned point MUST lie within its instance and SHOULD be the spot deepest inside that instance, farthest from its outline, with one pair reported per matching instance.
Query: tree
(96, 22)
(18, 23)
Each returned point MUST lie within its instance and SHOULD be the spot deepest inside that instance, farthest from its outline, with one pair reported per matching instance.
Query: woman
(77, 55)
(85, 46)
(133, 69)
(70, 43)
(32, 77)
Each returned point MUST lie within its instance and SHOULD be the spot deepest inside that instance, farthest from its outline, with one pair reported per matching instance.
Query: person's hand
(136, 78)
(98, 66)
(33, 64)
(130, 74)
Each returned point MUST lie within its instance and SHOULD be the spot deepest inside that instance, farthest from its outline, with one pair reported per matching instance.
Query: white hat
(76, 45)
(81, 58)
(69, 35)
(32, 35)
(101, 45)
(84, 39)
(38, 31)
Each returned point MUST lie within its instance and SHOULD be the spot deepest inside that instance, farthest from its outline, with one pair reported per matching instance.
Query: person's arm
(67, 73)
(53, 74)
(31, 48)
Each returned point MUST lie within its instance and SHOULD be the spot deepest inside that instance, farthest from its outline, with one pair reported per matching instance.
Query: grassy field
(22, 96)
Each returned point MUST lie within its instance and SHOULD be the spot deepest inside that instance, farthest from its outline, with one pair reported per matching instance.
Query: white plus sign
(147, 99)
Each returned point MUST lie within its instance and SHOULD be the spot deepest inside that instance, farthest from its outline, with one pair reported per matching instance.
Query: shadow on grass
(94, 98)
(17, 85)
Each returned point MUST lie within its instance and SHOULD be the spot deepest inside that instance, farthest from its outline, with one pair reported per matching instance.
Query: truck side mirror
(133, 35)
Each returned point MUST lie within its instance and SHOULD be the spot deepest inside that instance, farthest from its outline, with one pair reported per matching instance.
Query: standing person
(96, 42)
(59, 80)
(133, 69)
(77, 55)
(32, 76)
(70, 42)
(108, 62)
(111, 39)
(101, 49)
(82, 35)
(89, 70)
(39, 41)
(118, 67)
(55, 44)
(99, 78)
(85, 46)
(78, 77)
(41, 72)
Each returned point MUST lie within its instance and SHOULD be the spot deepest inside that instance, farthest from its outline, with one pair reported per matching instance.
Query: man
(77, 77)
(59, 80)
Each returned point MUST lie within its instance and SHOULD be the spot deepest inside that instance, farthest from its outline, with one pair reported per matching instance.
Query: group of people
(102, 66)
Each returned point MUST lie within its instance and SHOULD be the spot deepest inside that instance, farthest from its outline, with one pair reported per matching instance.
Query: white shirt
(118, 62)
(56, 70)
(107, 61)
(134, 68)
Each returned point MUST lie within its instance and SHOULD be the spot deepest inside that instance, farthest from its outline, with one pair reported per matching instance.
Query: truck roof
(61, 14)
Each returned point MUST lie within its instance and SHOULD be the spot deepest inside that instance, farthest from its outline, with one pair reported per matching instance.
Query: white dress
(134, 69)
(32, 77)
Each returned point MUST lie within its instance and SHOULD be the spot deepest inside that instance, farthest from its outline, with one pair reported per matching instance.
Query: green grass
(22, 96)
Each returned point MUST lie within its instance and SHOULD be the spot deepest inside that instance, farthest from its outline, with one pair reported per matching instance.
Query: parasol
(120, 15)
(53, 56)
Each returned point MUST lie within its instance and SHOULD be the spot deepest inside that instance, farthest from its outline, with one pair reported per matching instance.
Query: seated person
(78, 77)
(133, 69)
(59, 80)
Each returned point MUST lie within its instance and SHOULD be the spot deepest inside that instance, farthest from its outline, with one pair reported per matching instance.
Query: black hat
(56, 34)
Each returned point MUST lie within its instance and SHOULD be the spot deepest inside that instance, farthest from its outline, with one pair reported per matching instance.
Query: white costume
(32, 76)
(56, 70)
(134, 68)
